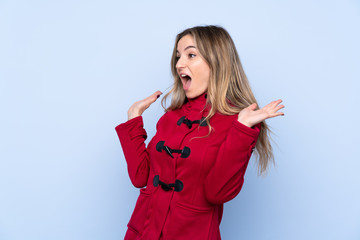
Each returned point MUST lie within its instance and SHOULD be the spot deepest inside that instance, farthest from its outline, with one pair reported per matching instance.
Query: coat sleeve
(132, 136)
(226, 177)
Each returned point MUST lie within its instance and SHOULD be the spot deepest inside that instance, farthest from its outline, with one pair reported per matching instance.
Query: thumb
(253, 106)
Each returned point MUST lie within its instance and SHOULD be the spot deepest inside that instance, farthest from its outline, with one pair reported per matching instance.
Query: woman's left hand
(250, 116)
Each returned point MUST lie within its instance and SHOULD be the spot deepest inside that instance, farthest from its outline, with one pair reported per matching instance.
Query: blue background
(69, 71)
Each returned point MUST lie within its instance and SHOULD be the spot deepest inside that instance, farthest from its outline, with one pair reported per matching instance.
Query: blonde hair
(228, 91)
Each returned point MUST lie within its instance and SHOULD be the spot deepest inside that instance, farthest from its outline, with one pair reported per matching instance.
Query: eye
(177, 58)
(191, 55)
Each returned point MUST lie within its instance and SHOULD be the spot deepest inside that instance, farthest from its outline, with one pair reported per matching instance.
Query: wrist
(244, 122)
(132, 114)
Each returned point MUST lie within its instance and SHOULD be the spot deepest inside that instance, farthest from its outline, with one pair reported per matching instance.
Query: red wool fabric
(211, 174)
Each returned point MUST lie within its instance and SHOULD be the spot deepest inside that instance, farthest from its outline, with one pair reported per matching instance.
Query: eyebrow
(187, 48)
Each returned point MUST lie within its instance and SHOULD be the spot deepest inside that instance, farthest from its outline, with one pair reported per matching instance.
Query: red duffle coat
(187, 175)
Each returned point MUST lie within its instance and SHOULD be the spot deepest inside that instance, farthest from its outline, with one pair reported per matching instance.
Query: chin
(192, 95)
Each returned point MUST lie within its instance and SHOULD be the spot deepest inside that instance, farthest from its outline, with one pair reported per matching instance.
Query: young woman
(197, 160)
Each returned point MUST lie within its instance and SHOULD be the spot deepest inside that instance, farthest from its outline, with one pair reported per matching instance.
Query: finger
(145, 103)
(158, 93)
(279, 107)
(277, 114)
(152, 98)
(269, 105)
(272, 105)
(275, 103)
(155, 95)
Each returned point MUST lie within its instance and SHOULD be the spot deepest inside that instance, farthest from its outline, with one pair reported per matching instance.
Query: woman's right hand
(139, 107)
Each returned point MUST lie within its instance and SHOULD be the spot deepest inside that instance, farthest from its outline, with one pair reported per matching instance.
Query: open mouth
(186, 81)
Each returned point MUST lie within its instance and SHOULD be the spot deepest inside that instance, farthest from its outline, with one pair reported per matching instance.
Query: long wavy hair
(228, 91)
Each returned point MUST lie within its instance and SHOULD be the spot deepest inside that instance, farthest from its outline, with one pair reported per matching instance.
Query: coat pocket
(138, 217)
(189, 222)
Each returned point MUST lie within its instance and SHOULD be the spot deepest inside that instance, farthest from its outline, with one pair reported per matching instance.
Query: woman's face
(193, 70)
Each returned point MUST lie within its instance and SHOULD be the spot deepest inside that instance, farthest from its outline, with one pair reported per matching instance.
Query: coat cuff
(134, 127)
(131, 122)
(253, 131)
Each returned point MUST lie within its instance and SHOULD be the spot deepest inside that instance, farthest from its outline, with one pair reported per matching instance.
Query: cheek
(206, 76)
(203, 73)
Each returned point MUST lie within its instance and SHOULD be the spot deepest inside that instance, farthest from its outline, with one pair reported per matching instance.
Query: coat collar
(198, 105)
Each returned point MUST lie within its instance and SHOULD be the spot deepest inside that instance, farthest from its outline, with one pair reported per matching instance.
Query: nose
(180, 63)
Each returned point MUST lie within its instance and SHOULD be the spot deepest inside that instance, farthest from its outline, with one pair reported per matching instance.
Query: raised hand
(250, 116)
(139, 107)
